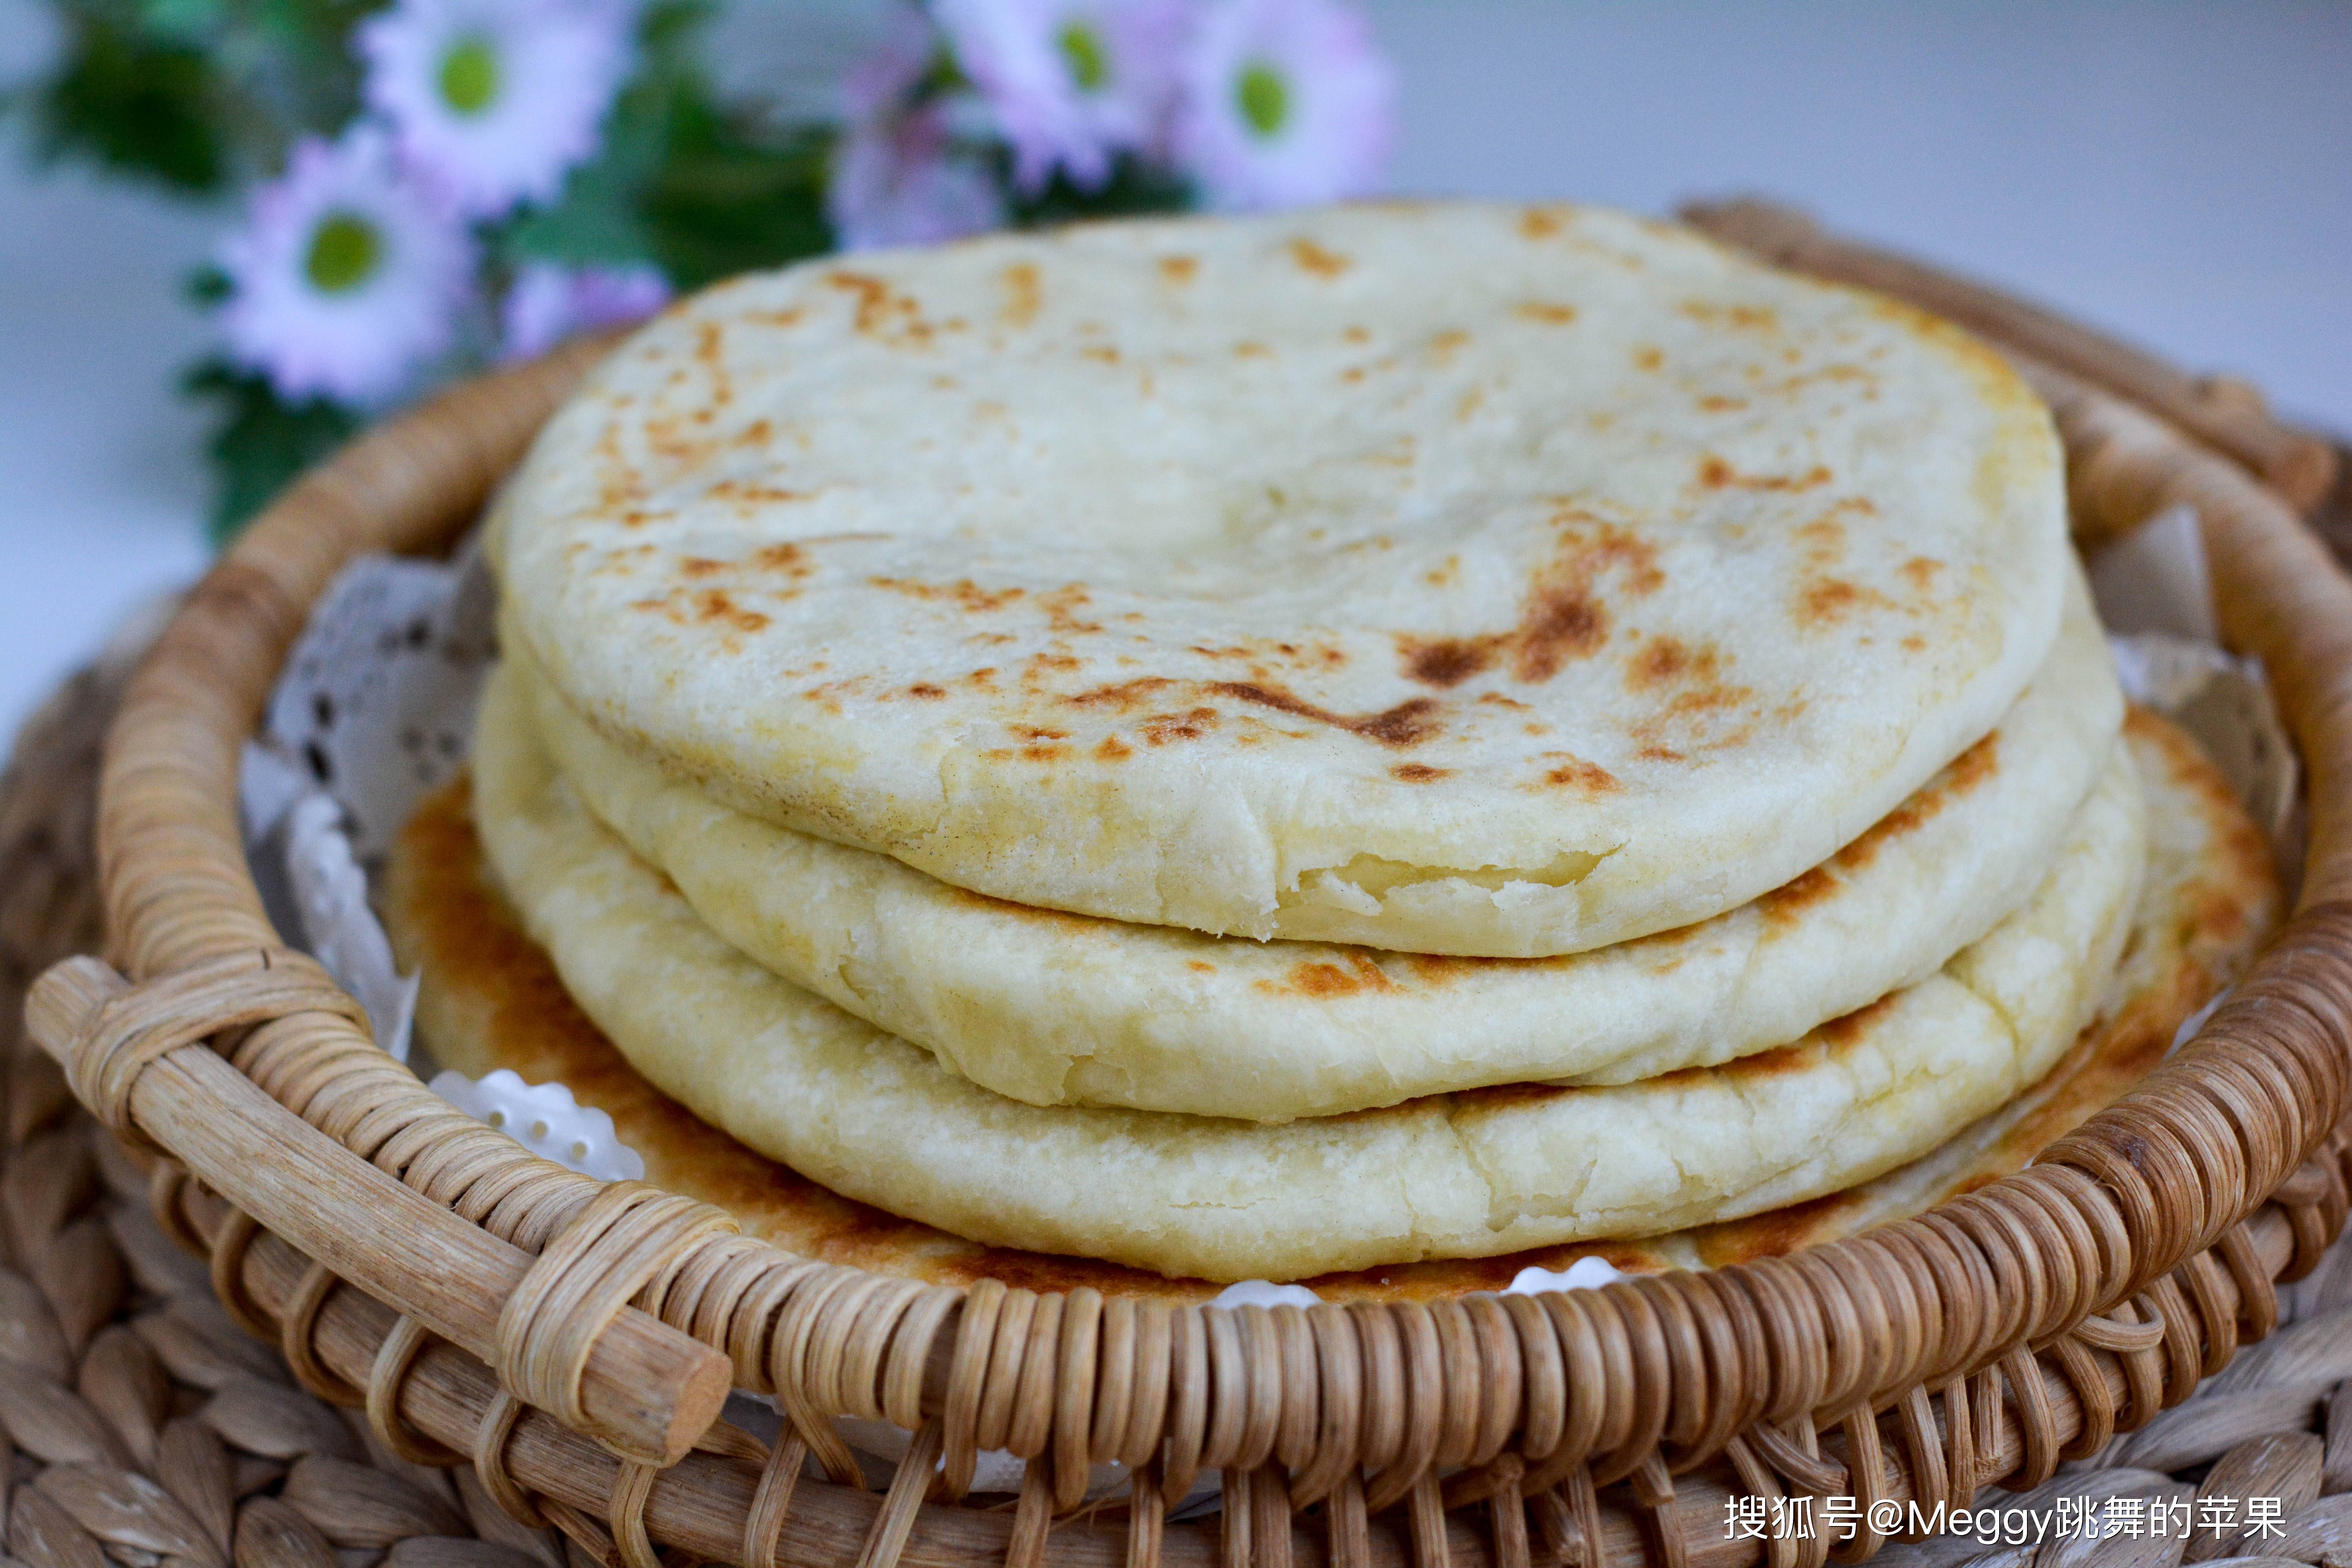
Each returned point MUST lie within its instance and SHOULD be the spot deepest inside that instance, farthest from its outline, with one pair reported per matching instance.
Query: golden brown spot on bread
(1101, 352)
(1437, 969)
(1312, 258)
(1160, 729)
(1198, 967)
(1845, 1033)
(1325, 982)
(1124, 696)
(707, 606)
(1407, 724)
(1549, 314)
(1022, 294)
(1575, 772)
(1419, 773)
(1648, 357)
(1754, 318)
(1962, 775)
(873, 297)
(1783, 904)
(1252, 350)
(1561, 623)
(1539, 223)
(755, 493)
(1448, 662)
(1717, 474)
(1920, 572)
(1358, 334)
(1111, 749)
(1178, 269)
(1059, 606)
(1716, 403)
(1045, 752)
(925, 689)
(1667, 660)
(1563, 617)
(1824, 538)
(964, 592)
(1826, 600)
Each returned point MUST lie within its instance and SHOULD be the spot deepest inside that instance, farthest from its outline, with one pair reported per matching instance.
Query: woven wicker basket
(575, 1340)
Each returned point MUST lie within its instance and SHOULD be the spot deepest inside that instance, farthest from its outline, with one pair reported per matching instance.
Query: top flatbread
(1453, 579)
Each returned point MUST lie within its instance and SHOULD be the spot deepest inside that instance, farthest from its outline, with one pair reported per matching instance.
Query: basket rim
(2073, 1256)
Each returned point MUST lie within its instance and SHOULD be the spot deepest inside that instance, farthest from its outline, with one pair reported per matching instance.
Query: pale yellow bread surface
(1059, 1009)
(491, 999)
(1449, 578)
(1487, 1171)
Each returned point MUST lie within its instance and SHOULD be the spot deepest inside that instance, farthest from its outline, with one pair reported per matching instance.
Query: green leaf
(134, 105)
(728, 206)
(263, 442)
(208, 285)
(1134, 189)
(191, 22)
(681, 181)
(304, 75)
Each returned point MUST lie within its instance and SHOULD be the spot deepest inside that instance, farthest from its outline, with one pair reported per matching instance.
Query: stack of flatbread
(1254, 749)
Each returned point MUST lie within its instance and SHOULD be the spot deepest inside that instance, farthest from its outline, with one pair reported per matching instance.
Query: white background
(2181, 173)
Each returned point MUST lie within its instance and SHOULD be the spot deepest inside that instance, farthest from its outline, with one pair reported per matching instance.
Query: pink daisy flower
(346, 278)
(879, 83)
(1072, 83)
(900, 181)
(495, 101)
(548, 303)
(1287, 102)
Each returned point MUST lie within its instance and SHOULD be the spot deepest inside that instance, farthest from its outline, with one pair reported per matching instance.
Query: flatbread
(492, 999)
(1454, 578)
(1493, 1170)
(1058, 1009)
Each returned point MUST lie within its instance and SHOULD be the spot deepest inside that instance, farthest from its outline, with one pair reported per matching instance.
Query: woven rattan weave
(575, 1340)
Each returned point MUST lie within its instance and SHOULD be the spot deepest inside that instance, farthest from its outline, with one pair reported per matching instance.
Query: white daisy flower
(547, 303)
(346, 277)
(1285, 102)
(494, 100)
(1072, 83)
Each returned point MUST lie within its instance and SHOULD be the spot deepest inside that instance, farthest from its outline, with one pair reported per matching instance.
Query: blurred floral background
(2171, 169)
(415, 190)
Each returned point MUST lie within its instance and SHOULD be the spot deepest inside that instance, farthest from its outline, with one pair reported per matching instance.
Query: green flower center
(469, 75)
(1263, 98)
(1089, 68)
(345, 251)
